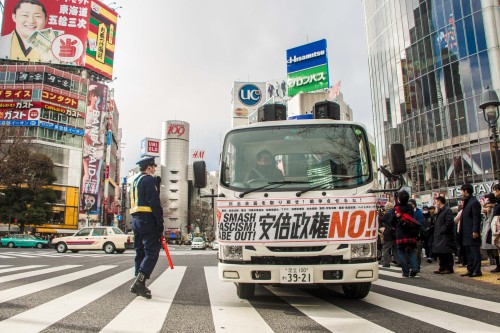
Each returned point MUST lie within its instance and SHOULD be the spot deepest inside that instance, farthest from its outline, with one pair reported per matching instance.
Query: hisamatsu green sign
(307, 80)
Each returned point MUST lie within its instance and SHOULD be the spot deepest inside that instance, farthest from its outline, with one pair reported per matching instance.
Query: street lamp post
(489, 105)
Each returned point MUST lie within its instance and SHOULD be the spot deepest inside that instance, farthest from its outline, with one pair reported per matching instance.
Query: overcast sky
(177, 59)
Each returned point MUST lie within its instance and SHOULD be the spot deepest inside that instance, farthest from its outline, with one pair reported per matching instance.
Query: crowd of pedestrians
(407, 232)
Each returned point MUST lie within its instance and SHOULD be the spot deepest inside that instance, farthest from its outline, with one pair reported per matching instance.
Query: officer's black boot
(139, 286)
(147, 289)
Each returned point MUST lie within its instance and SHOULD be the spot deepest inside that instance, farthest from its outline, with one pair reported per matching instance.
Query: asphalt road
(45, 291)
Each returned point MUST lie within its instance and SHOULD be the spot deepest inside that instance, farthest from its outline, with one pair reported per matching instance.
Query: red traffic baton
(164, 243)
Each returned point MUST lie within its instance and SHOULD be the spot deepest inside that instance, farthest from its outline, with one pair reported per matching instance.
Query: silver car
(198, 244)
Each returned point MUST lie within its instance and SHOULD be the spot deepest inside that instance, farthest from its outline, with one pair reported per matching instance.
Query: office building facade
(429, 62)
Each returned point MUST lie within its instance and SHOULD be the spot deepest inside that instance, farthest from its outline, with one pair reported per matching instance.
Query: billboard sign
(20, 117)
(59, 33)
(197, 155)
(101, 39)
(247, 96)
(177, 130)
(308, 80)
(150, 147)
(93, 148)
(307, 68)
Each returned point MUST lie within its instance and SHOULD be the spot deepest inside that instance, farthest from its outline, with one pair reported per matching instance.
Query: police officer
(147, 224)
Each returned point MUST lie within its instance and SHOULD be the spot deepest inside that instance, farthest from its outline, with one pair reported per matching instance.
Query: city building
(429, 63)
(60, 98)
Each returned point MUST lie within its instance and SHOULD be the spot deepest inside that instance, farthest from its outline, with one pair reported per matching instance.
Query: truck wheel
(356, 290)
(245, 290)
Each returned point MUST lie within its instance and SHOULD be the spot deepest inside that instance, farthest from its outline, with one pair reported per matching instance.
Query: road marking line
(151, 311)
(398, 275)
(326, 314)
(13, 269)
(443, 296)
(42, 316)
(35, 273)
(12, 293)
(428, 315)
(230, 313)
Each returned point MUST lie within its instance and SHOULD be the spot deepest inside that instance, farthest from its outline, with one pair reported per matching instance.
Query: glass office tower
(429, 62)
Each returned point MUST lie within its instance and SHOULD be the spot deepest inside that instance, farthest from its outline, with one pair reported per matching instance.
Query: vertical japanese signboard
(68, 32)
(307, 68)
(101, 39)
(93, 148)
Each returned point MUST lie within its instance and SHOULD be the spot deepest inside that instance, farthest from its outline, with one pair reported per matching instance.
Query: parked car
(24, 241)
(215, 245)
(198, 243)
(108, 239)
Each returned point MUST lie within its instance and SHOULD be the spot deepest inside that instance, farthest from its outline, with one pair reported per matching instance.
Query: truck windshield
(283, 158)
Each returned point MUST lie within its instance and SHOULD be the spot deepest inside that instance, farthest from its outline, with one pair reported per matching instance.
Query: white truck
(313, 223)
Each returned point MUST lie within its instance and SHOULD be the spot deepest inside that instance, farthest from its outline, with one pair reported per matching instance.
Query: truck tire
(356, 290)
(245, 290)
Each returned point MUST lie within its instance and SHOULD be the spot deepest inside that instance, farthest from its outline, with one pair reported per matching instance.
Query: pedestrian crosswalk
(91, 254)
(273, 309)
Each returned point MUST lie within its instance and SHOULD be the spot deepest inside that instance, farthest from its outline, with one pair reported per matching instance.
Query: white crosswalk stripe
(435, 317)
(223, 299)
(152, 311)
(34, 273)
(94, 254)
(228, 312)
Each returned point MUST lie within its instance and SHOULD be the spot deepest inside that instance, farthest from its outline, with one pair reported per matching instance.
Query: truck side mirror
(200, 174)
(398, 159)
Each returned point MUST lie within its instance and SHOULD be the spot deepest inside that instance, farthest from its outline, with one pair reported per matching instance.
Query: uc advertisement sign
(307, 68)
(247, 96)
(339, 220)
(69, 32)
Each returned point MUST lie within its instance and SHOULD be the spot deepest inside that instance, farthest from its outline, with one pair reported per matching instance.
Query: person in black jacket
(407, 229)
(389, 234)
(427, 233)
(444, 238)
(469, 231)
(147, 224)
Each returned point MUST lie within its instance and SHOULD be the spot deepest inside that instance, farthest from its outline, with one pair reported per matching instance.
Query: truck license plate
(296, 274)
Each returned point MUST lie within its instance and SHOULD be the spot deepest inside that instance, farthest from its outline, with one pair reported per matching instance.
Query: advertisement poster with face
(93, 148)
(68, 32)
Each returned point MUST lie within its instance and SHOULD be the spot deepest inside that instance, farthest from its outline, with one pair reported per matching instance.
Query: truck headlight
(364, 250)
(231, 252)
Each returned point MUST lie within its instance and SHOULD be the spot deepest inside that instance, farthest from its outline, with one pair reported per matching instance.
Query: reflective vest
(134, 199)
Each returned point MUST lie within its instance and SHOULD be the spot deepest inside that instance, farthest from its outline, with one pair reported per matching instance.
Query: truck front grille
(296, 249)
(316, 260)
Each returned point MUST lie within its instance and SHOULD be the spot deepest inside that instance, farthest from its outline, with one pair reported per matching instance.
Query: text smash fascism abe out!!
(305, 220)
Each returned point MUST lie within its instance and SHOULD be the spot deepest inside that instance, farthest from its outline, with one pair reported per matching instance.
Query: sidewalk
(487, 278)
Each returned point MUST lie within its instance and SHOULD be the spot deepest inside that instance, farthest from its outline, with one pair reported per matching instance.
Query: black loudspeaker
(200, 174)
(327, 110)
(398, 159)
(271, 112)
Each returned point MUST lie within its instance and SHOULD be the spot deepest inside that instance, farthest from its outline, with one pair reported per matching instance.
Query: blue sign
(306, 56)
(62, 128)
(18, 122)
(118, 218)
(249, 94)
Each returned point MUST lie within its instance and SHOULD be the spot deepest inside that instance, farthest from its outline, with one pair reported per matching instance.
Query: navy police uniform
(147, 219)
